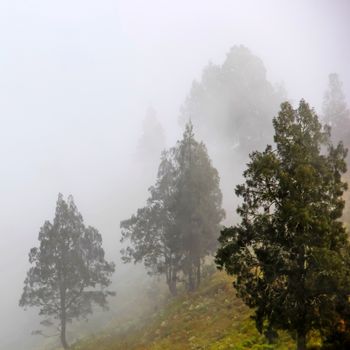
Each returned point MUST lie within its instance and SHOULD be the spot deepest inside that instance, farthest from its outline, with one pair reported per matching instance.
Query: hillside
(212, 318)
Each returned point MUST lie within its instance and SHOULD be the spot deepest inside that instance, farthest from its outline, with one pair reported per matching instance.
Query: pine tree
(288, 251)
(69, 272)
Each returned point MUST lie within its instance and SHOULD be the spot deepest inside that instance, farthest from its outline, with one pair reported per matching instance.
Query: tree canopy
(69, 272)
(290, 251)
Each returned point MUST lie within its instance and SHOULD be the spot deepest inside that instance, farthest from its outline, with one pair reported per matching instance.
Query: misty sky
(76, 80)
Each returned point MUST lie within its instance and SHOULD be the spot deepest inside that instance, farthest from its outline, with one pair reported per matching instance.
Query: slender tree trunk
(63, 333)
(168, 277)
(191, 286)
(301, 333)
(172, 288)
(63, 316)
(174, 279)
(172, 283)
(301, 340)
(198, 272)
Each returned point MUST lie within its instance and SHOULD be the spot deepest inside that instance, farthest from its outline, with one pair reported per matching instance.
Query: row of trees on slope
(289, 253)
(172, 235)
(179, 225)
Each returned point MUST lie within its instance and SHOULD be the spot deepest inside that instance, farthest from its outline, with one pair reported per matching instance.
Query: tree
(152, 140)
(179, 225)
(289, 250)
(335, 111)
(233, 102)
(198, 199)
(231, 107)
(68, 266)
(152, 232)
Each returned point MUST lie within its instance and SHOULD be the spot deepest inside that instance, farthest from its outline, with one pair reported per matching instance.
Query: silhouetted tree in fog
(233, 104)
(335, 111)
(180, 224)
(69, 271)
(290, 252)
(152, 140)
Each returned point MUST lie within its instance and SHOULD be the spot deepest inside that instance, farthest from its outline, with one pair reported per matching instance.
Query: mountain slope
(212, 318)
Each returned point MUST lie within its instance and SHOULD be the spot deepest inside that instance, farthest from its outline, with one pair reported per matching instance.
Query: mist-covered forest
(175, 175)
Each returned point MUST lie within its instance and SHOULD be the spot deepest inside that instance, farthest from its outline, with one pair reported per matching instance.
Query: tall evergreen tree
(180, 223)
(69, 272)
(198, 199)
(288, 252)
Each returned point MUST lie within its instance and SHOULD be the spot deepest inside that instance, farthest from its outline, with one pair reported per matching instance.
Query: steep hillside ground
(212, 318)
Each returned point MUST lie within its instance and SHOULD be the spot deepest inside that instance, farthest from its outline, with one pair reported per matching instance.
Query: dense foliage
(290, 252)
(69, 272)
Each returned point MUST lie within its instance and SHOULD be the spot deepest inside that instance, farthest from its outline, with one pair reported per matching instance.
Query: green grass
(212, 318)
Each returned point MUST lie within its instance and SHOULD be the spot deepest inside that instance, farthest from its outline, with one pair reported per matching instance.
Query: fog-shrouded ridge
(91, 92)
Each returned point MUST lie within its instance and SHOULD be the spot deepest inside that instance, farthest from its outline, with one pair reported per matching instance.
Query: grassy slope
(212, 318)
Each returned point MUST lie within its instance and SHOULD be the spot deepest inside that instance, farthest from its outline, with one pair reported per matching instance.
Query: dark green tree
(179, 225)
(69, 272)
(335, 111)
(288, 253)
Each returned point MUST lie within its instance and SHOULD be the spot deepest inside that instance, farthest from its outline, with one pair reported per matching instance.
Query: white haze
(76, 80)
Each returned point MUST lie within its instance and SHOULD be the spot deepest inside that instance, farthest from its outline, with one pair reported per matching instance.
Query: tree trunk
(63, 316)
(63, 333)
(301, 333)
(191, 286)
(172, 284)
(172, 288)
(198, 273)
(301, 341)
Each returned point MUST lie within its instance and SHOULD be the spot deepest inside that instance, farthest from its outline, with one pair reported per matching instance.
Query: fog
(77, 79)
